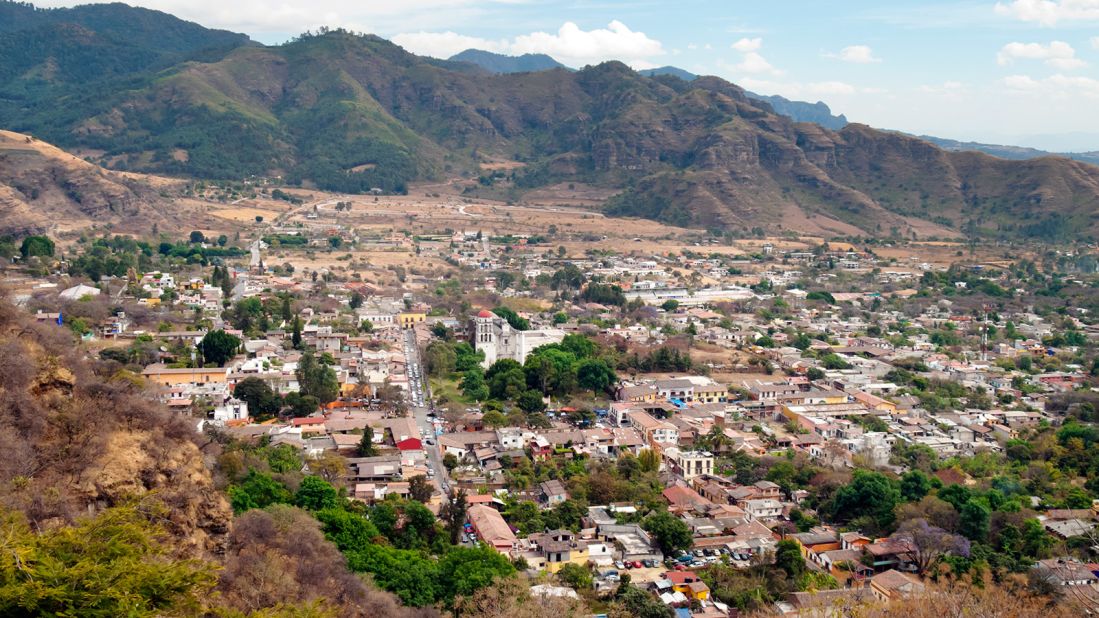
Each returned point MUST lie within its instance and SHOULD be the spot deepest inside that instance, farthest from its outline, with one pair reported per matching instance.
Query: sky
(1022, 72)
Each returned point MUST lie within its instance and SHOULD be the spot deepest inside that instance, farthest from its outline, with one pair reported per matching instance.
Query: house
(654, 430)
(560, 547)
(763, 509)
(684, 499)
(691, 464)
(491, 528)
(552, 492)
(410, 444)
(1065, 572)
(78, 291)
(641, 393)
(688, 583)
(162, 375)
(893, 584)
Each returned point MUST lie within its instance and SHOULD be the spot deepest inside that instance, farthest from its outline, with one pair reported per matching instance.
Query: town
(724, 425)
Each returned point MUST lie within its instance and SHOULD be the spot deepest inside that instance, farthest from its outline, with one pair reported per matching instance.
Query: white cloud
(275, 21)
(1057, 54)
(446, 44)
(857, 54)
(570, 45)
(1050, 12)
(1095, 42)
(1055, 86)
(751, 61)
(746, 45)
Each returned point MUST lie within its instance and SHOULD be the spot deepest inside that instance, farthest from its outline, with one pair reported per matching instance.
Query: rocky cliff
(78, 439)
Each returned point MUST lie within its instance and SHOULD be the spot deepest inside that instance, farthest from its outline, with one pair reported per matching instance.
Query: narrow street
(421, 405)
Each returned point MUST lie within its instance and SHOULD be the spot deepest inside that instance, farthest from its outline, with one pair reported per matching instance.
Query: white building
(690, 464)
(79, 291)
(497, 339)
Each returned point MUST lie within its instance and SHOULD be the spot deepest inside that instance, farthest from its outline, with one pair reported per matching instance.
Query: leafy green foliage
(257, 491)
(113, 564)
(316, 494)
(668, 531)
(870, 498)
(36, 246)
(514, 319)
(317, 379)
(219, 347)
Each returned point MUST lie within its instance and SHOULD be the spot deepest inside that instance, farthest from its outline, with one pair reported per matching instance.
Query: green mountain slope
(349, 113)
(500, 63)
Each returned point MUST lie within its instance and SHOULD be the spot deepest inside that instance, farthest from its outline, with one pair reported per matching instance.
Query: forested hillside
(351, 113)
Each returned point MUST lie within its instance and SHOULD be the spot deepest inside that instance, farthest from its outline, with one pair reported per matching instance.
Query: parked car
(619, 565)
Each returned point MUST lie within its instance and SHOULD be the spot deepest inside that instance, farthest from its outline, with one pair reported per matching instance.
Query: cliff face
(76, 442)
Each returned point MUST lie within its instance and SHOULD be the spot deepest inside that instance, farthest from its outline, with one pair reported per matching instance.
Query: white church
(497, 339)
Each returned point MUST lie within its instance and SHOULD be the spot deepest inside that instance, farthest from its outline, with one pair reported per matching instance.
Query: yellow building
(560, 547)
(165, 376)
(690, 584)
(409, 319)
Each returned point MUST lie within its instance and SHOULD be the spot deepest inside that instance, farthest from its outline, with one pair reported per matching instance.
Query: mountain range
(799, 111)
(500, 63)
(349, 112)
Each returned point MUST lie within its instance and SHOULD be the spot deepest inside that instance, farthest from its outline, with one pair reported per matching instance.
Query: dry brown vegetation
(77, 441)
(278, 557)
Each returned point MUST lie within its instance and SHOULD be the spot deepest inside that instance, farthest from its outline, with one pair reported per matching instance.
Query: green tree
(440, 358)
(295, 334)
(263, 403)
(869, 494)
(453, 514)
(973, 520)
(316, 494)
(494, 419)
(788, 558)
(531, 402)
(218, 346)
(575, 576)
(641, 604)
(473, 384)
(915, 485)
(594, 375)
(668, 531)
(113, 564)
(420, 489)
(649, 460)
(317, 379)
(36, 246)
(257, 491)
(506, 379)
(465, 570)
(299, 405)
(366, 443)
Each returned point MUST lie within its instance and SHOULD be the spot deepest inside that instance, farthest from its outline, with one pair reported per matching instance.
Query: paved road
(421, 404)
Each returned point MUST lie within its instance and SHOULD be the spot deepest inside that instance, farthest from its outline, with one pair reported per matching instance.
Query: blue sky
(1008, 71)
